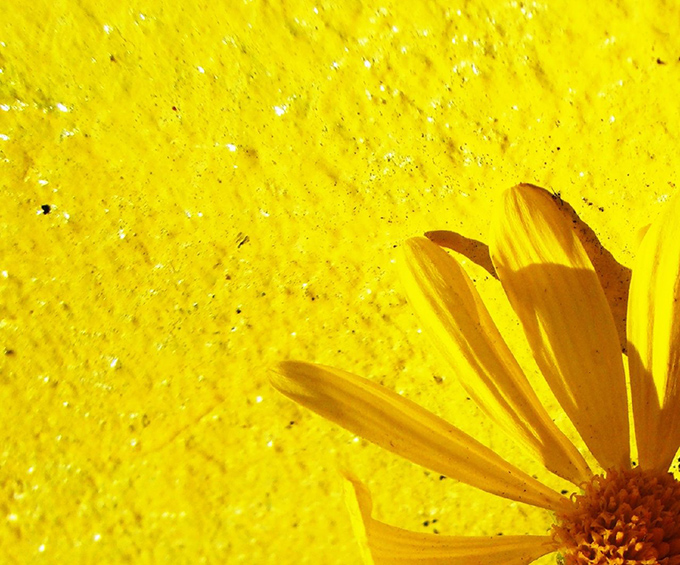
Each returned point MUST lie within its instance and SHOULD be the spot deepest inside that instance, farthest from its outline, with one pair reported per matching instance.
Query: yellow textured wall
(228, 184)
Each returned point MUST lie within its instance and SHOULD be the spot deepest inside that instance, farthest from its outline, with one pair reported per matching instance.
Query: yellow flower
(622, 515)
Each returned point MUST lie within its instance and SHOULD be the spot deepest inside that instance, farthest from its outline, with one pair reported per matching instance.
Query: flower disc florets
(623, 518)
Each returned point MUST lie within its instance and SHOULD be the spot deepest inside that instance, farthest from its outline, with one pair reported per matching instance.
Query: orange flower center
(623, 518)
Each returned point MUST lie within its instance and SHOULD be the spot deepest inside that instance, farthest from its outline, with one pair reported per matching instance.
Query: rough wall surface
(193, 191)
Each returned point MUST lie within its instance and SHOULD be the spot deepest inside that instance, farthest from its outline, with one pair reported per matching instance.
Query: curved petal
(654, 341)
(382, 544)
(453, 312)
(557, 296)
(401, 426)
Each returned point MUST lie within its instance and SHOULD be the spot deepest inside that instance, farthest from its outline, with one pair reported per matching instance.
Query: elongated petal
(557, 296)
(453, 312)
(654, 341)
(474, 250)
(383, 544)
(401, 426)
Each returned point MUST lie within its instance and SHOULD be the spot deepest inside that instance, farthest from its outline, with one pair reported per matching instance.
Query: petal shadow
(614, 277)
(576, 350)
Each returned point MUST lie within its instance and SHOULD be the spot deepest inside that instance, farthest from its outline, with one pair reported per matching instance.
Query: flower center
(622, 518)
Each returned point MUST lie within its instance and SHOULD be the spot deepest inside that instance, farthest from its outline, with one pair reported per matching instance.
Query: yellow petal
(474, 250)
(557, 296)
(360, 505)
(455, 316)
(640, 234)
(654, 341)
(382, 544)
(401, 426)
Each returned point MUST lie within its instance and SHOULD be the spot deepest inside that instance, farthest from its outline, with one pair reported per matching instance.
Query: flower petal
(654, 341)
(474, 250)
(383, 544)
(453, 312)
(557, 296)
(401, 426)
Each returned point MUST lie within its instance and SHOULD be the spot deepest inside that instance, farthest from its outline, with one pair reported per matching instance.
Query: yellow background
(229, 183)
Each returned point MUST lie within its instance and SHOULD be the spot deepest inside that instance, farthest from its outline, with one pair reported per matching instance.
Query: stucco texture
(194, 191)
